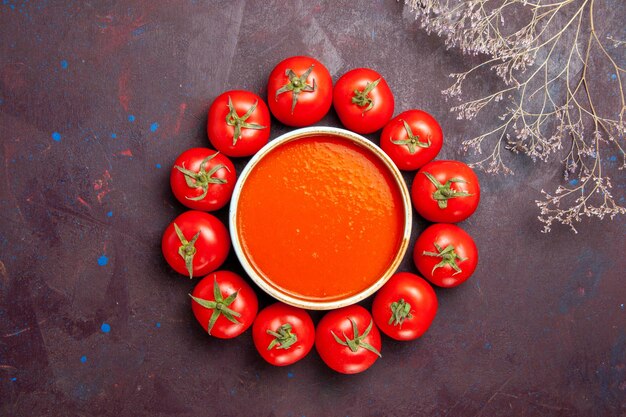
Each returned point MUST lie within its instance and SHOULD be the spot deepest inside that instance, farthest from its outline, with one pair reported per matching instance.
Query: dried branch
(554, 92)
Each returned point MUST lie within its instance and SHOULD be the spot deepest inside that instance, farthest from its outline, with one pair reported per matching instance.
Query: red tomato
(445, 191)
(445, 255)
(283, 334)
(299, 91)
(363, 100)
(195, 243)
(203, 179)
(405, 306)
(224, 304)
(238, 123)
(347, 340)
(412, 139)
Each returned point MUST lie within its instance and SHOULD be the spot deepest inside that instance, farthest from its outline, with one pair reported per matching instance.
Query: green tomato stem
(413, 141)
(444, 192)
(203, 178)
(239, 122)
(357, 340)
(448, 257)
(296, 84)
(219, 306)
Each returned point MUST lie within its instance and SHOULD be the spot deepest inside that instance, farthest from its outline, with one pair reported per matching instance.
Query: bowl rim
(300, 134)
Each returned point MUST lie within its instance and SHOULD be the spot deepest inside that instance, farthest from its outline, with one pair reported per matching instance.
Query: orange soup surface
(320, 218)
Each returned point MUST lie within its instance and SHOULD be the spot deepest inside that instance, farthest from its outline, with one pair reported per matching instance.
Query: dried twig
(552, 64)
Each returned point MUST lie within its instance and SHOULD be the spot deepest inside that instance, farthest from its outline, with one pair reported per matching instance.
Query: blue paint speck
(573, 182)
(613, 158)
(103, 260)
(64, 64)
(113, 136)
(106, 327)
(83, 359)
(487, 346)
(56, 136)
(131, 118)
(140, 30)
(158, 324)
(290, 375)
(614, 77)
(14, 379)
(154, 126)
(158, 166)
(109, 214)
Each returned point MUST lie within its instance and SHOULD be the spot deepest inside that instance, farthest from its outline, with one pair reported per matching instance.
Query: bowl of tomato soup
(320, 218)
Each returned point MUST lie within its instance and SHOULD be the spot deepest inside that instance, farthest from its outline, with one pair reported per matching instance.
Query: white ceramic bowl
(302, 302)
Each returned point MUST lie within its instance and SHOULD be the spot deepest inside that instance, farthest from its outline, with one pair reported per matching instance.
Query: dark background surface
(94, 323)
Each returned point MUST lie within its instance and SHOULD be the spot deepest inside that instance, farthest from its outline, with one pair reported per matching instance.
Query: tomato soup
(320, 218)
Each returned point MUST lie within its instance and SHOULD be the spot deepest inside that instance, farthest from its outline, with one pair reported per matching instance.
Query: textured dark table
(96, 101)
